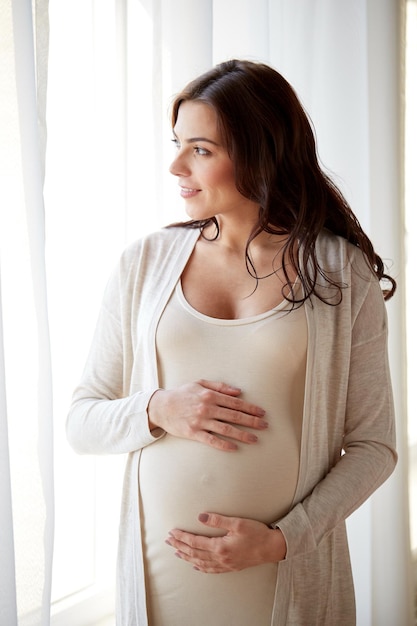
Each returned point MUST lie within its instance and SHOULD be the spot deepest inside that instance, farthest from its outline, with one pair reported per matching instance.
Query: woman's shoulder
(336, 254)
(347, 264)
(330, 244)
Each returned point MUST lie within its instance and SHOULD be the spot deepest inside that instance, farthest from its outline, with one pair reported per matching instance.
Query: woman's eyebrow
(194, 139)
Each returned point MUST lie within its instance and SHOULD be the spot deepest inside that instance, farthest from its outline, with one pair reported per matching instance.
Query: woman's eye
(201, 151)
(197, 149)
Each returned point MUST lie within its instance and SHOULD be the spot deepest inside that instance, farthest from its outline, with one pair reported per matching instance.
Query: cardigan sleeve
(104, 416)
(368, 456)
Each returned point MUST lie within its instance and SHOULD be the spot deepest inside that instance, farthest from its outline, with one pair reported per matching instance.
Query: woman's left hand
(245, 544)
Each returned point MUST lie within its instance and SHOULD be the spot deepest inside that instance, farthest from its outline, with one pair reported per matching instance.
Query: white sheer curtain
(114, 66)
(26, 476)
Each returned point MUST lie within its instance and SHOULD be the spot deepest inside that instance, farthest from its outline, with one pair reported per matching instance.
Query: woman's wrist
(277, 545)
(153, 411)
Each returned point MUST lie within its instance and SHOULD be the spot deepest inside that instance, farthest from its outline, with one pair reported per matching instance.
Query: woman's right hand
(206, 411)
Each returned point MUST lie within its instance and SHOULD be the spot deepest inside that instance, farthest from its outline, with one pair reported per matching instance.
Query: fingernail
(263, 424)
(253, 438)
(203, 517)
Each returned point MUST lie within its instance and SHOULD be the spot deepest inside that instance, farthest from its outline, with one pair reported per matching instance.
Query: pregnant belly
(179, 479)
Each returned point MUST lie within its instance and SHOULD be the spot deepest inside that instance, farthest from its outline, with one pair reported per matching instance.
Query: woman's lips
(187, 192)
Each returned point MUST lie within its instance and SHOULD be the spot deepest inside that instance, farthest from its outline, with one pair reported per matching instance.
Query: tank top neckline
(282, 307)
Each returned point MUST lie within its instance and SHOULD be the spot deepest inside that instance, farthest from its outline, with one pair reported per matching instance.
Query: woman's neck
(234, 237)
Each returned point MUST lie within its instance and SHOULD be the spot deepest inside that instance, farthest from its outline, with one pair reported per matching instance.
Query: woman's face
(204, 169)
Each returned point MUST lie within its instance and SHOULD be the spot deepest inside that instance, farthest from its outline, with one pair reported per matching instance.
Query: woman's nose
(179, 166)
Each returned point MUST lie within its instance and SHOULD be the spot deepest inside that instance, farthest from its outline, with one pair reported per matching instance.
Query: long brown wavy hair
(272, 145)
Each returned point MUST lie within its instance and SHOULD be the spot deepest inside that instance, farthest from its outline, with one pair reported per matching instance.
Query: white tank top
(265, 356)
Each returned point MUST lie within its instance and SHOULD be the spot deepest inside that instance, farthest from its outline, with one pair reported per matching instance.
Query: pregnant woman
(240, 359)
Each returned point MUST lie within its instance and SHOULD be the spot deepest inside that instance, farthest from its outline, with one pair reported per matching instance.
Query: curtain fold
(8, 606)
(26, 480)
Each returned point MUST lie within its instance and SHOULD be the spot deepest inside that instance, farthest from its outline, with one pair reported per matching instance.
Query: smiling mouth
(187, 192)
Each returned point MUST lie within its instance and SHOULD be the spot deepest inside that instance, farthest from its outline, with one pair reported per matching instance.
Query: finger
(240, 406)
(189, 543)
(210, 569)
(217, 429)
(227, 430)
(209, 563)
(233, 409)
(220, 387)
(206, 567)
(210, 439)
(233, 416)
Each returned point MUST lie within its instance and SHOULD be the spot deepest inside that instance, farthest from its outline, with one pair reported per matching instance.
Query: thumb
(217, 521)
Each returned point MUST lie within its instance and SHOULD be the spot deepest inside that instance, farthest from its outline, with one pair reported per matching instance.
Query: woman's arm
(105, 418)
(369, 455)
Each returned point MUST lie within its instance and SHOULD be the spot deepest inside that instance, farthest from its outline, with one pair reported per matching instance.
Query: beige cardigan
(348, 405)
